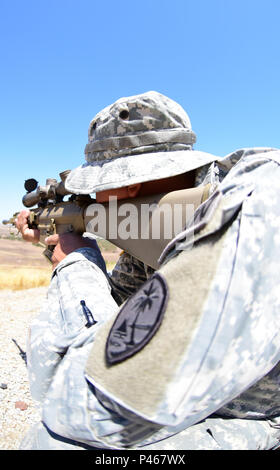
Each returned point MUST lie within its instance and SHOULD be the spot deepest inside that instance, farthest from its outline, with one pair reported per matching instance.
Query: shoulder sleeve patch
(138, 320)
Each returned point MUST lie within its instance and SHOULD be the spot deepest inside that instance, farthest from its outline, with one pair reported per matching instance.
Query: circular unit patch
(138, 320)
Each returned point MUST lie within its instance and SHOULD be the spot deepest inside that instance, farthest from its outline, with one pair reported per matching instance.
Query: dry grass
(23, 266)
(110, 266)
(24, 277)
(14, 278)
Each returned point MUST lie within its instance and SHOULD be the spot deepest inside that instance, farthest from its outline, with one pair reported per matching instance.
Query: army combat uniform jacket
(224, 393)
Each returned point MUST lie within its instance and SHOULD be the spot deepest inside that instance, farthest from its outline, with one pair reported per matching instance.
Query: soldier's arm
(78, 301)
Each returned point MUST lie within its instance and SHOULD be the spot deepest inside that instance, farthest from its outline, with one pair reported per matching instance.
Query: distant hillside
(8, 231)
(16, 252)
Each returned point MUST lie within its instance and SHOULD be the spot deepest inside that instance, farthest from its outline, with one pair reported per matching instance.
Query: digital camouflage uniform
(242, 414)
(204, 379)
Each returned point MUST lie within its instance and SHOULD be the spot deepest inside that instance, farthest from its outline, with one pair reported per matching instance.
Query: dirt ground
(18, 306)
(16, 253)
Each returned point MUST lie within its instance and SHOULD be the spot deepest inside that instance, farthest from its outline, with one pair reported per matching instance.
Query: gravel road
(17, 409)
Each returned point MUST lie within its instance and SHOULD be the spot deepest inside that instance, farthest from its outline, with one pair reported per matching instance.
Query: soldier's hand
(28, 234)
(66, 243)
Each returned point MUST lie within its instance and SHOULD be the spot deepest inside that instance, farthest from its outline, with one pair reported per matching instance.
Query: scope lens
(30, 185)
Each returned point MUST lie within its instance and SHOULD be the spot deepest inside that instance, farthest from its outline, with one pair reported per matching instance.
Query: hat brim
(126, 170)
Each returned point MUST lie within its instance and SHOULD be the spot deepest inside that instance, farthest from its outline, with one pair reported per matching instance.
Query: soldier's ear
(134, 189)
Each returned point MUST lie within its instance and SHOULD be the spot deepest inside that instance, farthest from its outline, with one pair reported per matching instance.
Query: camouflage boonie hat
(140, 138)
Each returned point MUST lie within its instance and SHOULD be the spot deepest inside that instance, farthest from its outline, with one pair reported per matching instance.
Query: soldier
(191, 359)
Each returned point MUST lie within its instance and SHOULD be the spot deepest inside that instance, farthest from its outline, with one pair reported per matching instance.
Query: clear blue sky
(64, 60)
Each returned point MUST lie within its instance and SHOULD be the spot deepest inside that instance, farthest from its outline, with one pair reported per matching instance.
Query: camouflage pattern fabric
(61, 326)
(128, 275)
(60, 343)
(134, 138)
(210, 434)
